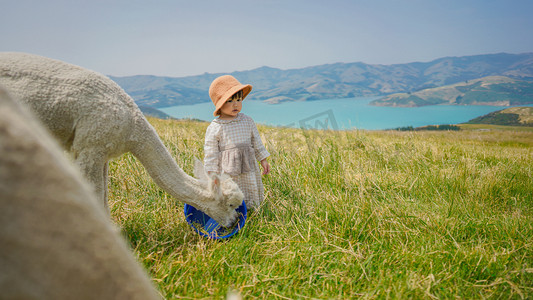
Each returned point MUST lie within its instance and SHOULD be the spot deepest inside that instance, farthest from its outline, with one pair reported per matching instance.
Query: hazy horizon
(310, 66)
(178, 38)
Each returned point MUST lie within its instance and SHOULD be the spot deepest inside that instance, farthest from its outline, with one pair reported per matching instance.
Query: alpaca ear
(199, 171)
(214, 185)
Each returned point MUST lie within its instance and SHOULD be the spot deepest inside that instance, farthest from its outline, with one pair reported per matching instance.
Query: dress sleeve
(260, 150)
(211, 149)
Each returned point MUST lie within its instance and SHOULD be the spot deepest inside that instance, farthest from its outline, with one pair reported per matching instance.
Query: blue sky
(181, 38)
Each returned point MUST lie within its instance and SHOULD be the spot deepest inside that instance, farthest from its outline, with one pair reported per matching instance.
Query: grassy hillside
(491, 90)
(514, 116)
(368, 214)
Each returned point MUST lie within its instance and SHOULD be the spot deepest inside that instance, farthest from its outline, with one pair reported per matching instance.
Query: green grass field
(349, 214)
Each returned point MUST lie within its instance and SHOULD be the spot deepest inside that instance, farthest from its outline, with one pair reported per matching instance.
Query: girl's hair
(237, 95)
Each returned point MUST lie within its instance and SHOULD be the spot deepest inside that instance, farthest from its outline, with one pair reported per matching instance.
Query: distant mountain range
(154, 112)
(340, 80)
(490, 90)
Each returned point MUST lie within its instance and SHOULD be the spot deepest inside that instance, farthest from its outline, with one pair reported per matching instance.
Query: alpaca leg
(94, 168)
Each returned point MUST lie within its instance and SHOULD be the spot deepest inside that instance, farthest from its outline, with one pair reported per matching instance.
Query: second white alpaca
(94, 119)
(55, 240)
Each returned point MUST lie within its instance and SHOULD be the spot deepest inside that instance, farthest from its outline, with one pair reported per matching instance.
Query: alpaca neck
(164, 170)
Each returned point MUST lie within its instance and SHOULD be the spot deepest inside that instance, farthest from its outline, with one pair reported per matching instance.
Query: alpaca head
(226, 195)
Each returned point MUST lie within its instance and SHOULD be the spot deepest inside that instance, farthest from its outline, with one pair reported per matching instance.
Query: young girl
(232, 141)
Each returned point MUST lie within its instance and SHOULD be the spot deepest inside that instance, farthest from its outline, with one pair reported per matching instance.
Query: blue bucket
(206, 226)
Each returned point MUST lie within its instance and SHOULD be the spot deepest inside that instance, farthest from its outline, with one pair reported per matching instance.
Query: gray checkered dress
(234, 147)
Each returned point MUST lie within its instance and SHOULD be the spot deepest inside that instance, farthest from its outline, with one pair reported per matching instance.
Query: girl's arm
(211, 149)
(261, 152)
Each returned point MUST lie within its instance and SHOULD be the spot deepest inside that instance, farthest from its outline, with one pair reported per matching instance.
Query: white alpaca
(94, 119)
(55, 240)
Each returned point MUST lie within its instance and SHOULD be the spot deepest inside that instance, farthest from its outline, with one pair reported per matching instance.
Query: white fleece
(94, 119)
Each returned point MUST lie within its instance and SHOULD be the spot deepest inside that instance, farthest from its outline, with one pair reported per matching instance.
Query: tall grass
(348, 214)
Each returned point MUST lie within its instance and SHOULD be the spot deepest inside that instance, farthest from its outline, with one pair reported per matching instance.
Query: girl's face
(232, 107)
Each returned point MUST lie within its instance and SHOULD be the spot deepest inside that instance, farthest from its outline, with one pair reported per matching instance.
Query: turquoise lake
(349, 113)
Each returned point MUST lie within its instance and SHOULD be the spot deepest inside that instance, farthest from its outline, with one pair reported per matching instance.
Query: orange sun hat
(223, 87)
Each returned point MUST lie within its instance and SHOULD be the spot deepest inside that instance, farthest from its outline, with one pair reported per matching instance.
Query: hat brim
(246, 89)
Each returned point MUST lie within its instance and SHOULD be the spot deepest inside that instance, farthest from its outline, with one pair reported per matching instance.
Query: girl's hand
(266, 166)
